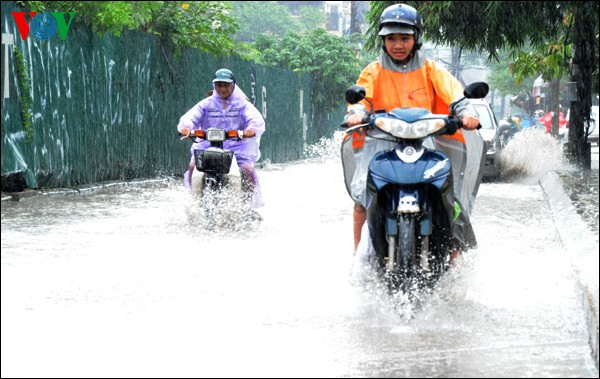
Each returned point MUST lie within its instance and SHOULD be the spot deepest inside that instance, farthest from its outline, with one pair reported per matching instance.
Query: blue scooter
(411, 207)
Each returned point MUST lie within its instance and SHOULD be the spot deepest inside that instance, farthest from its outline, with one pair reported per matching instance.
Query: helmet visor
(395, 29)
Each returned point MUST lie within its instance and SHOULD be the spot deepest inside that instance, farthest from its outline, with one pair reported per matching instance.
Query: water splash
(328, 148)
(222, 213)
(532, 153)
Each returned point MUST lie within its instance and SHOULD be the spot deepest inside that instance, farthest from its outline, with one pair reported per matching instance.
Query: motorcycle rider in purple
(228, 109)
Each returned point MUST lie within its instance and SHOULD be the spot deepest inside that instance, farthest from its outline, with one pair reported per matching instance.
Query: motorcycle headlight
(412, 130)
(215, 135)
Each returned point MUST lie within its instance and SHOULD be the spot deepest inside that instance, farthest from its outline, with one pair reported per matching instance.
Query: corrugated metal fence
(107, 108)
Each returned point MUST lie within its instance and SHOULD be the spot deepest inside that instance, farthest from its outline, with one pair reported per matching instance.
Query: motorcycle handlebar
(352, 128)
(232, 134)
(453, 123)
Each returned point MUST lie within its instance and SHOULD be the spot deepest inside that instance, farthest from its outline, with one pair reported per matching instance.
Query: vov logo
(43, 25)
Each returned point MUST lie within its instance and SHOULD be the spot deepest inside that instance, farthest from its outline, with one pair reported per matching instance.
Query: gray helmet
(404, 19)
(224, 75)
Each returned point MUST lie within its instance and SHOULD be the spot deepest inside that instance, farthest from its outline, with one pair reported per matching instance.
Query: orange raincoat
(430, 87)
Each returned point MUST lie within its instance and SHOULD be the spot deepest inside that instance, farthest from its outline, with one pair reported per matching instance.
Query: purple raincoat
(235, 112)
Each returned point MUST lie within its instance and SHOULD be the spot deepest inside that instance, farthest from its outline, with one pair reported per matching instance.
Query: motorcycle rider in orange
(403, 77)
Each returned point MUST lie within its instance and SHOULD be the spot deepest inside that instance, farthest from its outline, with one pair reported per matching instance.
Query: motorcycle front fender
(432, 167)
(429, 181)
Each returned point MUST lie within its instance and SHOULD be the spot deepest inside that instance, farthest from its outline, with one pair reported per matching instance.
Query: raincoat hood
(416, 61)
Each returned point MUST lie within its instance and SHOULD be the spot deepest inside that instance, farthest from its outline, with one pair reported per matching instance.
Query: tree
(311, 18)
(329, 59)
(102, 16)
(584, 65)
(512, 25)
(502, 80)
(357, 15)
(203, 25)
(262, 17)
(548, 61)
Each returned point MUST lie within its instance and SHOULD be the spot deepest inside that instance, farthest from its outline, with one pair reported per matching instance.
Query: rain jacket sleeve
(193, 118)
(254, 120)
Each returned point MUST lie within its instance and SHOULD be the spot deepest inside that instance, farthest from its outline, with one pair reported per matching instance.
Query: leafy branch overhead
(329, 59)
(204, 25)
(263, 31)
(488, 27)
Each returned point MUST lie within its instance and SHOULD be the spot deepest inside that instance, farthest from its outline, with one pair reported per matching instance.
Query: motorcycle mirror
(355, 94)
(476, 90)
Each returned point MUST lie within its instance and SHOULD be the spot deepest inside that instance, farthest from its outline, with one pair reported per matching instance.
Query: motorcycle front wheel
(403, 249)
(406, 251)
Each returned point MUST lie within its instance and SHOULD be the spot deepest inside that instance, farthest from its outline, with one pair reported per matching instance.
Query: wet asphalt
(573, 196)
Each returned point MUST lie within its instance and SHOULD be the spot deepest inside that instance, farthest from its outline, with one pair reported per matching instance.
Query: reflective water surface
(126, 282)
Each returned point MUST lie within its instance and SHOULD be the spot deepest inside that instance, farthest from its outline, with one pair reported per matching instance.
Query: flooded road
(124, 283)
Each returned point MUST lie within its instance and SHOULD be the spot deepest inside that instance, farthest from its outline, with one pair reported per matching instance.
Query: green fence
(107, 108)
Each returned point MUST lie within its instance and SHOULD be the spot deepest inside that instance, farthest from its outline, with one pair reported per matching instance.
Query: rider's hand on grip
(246, 133)
(470, 122)
(453, 125)
(355, 119)
(185, 133)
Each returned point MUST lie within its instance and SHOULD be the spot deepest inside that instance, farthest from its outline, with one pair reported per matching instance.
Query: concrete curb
(583, 250)
(18, 196)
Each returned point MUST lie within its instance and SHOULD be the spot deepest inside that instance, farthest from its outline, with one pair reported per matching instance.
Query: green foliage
(489, 27)
(373, 42)
(103, 16)
(311, 18)
(549, 60)
(203, 25)
(481, 26)
(499, 24)
(24, 95)
(329, 60)
(357, 41)
(262, 17)
(504, 81)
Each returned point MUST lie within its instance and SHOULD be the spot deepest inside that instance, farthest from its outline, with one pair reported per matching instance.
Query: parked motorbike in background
(410, 193)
